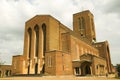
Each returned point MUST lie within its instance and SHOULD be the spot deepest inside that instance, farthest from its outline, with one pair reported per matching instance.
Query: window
(49, 61)
(96, 66)
(14, 65)
(77, 70)
(79, 21)
(44, 38)
(83, 23)
(30, 40)
(92, 26)
(82, 51)
(77, 51)
(36, 28)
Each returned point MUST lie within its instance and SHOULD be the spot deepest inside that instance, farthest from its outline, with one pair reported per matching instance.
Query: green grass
(118, 77)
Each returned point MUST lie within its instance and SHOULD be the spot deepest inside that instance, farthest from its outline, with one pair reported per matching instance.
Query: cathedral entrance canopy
(78, 63)
(83, 58)
(82, 67)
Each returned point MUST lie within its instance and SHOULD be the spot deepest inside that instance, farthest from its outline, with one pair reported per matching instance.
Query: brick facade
(50, 48)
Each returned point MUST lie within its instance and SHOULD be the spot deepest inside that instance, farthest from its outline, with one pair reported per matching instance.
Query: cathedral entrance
(86, 68)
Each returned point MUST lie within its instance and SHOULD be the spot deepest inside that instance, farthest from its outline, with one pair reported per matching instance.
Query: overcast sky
(14, 14)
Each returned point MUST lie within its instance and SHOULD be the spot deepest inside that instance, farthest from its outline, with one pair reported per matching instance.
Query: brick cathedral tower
(83, 23)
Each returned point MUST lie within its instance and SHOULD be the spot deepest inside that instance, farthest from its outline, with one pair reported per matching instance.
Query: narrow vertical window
(82, 23)
(15, 64)
(79, 23)
(36, 28)
(92, 25)
(82, 51)
(44, 38)
(77, 70)
(49, 61)
(30, 39)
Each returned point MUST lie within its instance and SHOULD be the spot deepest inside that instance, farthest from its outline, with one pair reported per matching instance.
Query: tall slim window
(30, 39)
(36, 28)
(83, 23)
(77, 70)
(79, 23)
(49, 61)
(44, 38)
(92, 25)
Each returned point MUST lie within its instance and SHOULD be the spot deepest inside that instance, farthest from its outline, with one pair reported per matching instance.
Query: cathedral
(51, 48)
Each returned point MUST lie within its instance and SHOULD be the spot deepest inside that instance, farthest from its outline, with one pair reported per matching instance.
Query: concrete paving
(58, 78)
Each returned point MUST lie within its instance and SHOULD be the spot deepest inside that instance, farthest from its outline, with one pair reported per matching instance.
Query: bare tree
(1, 62)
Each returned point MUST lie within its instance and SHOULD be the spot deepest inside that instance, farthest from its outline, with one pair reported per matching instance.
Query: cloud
(111, 7)
(107, 19)
(114, 6)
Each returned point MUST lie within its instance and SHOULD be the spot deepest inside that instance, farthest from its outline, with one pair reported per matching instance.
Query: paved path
(58, 78)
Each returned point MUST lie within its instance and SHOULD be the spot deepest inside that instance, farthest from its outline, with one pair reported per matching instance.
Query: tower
(83, 24)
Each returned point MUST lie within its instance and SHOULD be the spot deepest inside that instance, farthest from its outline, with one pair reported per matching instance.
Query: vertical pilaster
(40, 44)
(91, 70)
(32, 64)
(79, 70)
(40, 50)
(33, 44)
(74, 71)
(26, 44)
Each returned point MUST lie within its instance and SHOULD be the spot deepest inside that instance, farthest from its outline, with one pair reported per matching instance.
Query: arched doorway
(7, 73)
(85, 68)
(36, 68)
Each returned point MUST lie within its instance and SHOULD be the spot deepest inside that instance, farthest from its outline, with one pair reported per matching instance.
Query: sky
(14, 14)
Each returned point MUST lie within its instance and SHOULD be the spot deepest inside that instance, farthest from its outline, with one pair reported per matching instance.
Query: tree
(118, 69)
(1, 62)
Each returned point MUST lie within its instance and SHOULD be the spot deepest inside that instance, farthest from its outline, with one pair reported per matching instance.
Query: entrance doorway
(87, 70)
(36, 68)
